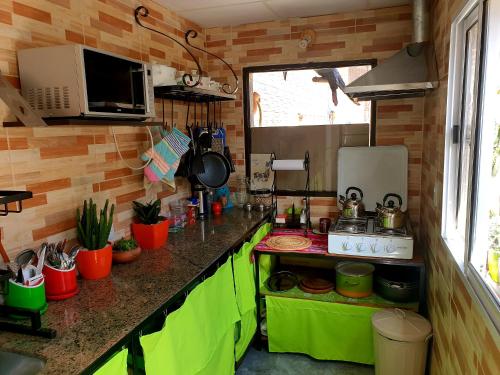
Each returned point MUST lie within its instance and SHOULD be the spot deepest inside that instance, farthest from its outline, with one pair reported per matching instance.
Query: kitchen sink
(19, 364)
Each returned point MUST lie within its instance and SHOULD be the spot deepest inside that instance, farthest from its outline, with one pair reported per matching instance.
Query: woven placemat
(288, 243)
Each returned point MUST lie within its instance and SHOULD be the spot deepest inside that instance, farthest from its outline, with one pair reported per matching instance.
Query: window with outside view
(307, 97)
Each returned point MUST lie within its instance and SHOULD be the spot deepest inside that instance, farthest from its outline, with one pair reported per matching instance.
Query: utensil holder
(59, 284)
(26, 297)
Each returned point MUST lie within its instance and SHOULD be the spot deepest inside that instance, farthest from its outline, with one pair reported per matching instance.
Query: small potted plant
(125, 251)
(94, 261)
(151, 229)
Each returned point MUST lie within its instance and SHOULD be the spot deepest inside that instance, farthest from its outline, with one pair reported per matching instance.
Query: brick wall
(464, 341)
(359, 35)
(65, 165)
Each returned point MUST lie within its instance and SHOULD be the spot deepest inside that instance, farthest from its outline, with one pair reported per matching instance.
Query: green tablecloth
(328, 331)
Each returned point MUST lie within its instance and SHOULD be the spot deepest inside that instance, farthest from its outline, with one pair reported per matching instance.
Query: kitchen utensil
(216, 172)
(60, 284)
(315, 285)
(72, 255)
(282, 281)
(324, 224)
(28, 297)
(398, 284)
(354, 279)
(41, 258)
(390, 216)
(288, 243)
(352, 205)
(22, 259)
(4, 255)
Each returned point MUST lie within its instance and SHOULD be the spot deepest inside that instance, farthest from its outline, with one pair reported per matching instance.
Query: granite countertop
(105, 311)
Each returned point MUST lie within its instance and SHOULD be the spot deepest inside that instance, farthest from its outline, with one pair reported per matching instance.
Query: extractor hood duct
(409, 73)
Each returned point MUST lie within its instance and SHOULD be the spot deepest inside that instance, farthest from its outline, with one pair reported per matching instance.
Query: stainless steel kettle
(352, 206)
(390, 216)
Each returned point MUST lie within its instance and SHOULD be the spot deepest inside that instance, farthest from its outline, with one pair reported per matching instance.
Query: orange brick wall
(62, 166)
(359, 35)
(464, 341)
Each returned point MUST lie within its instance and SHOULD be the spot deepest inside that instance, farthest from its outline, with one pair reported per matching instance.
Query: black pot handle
(392, 195)
(353, 188)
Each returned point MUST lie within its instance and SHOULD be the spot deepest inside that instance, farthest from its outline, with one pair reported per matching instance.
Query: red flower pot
(151, 236)
(95, 264)
(59, 284)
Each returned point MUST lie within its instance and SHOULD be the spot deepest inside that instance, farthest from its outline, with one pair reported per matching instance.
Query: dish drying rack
(274, 195)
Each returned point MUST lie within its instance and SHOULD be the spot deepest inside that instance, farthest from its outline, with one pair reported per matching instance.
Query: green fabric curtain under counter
(245, 296)
(326, 331)
(116, 365)
(198, 338)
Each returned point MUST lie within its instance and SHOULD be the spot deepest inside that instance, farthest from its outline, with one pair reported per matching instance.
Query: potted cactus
(151, 229)
(94, 262)
(125, 251)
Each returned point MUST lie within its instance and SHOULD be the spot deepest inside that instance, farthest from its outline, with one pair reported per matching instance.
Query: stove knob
(389, 249)
(345, 246)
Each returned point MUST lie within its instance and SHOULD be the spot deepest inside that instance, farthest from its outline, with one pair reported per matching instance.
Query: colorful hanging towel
(165, 157)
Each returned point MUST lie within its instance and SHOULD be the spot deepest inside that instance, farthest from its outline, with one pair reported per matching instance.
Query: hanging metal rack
(142, 12)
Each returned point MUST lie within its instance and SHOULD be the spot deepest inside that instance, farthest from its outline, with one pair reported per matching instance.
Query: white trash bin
(400, 339)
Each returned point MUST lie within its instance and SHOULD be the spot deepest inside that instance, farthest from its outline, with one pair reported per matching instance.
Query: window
(471, 202)
(307, 97)
(291, 109)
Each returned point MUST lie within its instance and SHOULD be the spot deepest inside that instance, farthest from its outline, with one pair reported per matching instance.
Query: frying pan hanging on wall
(217, 170)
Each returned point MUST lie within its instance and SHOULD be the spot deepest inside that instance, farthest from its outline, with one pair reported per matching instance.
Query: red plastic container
(151, 236)
(59, 284)
(95, 264)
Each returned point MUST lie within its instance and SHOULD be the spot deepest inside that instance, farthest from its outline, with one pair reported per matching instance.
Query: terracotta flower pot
(151, 236)
(95, 264)
(126, 256)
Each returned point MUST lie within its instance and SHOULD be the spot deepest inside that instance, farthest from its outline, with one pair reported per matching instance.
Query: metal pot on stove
(390, 216)
(352, 205)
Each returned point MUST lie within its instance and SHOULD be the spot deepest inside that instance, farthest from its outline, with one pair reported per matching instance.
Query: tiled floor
(264, 363)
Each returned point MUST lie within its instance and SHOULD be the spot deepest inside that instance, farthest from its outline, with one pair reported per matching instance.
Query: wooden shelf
(191, 94)
(333, 297)
(87, 122)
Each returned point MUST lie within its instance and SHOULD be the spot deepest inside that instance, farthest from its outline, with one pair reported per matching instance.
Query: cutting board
(376, 171)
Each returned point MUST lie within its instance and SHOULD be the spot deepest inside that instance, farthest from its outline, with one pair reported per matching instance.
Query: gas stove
(364, 237)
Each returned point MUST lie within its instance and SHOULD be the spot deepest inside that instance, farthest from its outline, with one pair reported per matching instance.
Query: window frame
(462, 252)
(286, 67)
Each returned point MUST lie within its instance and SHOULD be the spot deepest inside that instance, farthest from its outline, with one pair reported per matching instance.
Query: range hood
(409, 73)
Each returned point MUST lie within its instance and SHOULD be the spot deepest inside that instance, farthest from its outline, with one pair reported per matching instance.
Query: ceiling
(212, 13)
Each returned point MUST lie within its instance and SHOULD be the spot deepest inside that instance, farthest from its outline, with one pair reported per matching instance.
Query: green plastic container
(28, 297)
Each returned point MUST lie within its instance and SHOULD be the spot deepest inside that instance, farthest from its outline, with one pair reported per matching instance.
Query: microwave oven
(78, 81)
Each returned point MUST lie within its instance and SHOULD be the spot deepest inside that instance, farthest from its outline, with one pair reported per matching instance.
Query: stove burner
(390, 232)
(349, 225)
